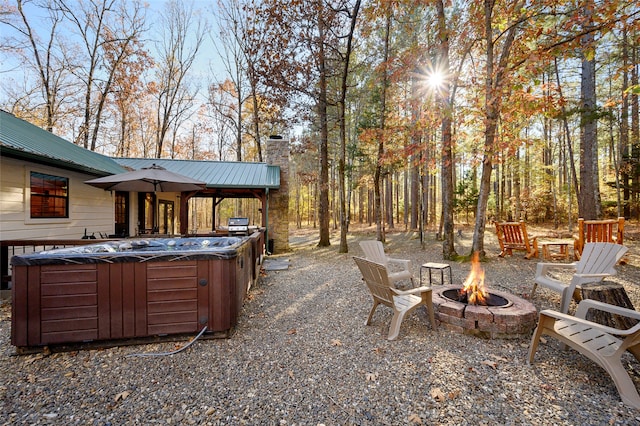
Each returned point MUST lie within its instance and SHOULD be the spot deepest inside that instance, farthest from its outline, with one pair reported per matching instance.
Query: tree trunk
(344, 218)
(574, 175)
(388, 204)
(516, 186)
(415, 190)
(623, 149)
(448, 249)
(323, 212)
(477, 244)
(589, 192)
(635, 123)
(377, 177)
(415, 158)
(239, 113)
(493, 96)
(256, 113)
(611, 293)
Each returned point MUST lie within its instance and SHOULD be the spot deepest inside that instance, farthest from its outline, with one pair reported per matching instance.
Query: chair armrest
(543, 268)
(416, 291)
(405, 263)
(603, 275)
(610, 330)
(586, 304)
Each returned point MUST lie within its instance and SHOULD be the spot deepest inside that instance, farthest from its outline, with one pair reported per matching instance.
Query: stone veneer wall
(277, 154)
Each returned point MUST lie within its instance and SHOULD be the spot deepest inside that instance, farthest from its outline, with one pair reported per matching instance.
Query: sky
(207, 59)
(208, 56)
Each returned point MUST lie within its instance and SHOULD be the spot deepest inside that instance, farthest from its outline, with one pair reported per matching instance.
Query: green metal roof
(216, 174)
(21, 139)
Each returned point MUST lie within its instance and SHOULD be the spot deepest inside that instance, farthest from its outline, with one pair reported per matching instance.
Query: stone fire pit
(517, 319)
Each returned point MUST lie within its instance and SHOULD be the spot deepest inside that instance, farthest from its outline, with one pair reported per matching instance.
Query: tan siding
(90, 208)
(11, 197)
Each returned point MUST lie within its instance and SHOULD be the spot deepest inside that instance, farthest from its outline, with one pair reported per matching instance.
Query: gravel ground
(301, 355)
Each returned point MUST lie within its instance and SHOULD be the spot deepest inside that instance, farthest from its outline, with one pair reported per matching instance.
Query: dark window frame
(49, 196)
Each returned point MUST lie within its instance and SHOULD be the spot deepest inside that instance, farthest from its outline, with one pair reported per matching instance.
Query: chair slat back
(598, 232)
(600, 258)
(513, 232)
(376, 278)
(604, 231)
(374, 250)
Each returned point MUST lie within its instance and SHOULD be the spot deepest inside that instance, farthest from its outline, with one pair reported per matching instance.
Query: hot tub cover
(136, 250)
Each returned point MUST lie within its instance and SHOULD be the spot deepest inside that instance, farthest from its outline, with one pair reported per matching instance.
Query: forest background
(401, 113)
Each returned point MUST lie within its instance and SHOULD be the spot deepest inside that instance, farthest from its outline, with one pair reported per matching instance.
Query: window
(49, 196)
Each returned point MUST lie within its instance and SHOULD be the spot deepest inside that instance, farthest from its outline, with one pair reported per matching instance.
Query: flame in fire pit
(474, 287)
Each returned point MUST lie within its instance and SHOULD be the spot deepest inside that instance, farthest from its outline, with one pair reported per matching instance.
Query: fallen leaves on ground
(491, 364)
(439, 396)
(122, 395)
(415, 419)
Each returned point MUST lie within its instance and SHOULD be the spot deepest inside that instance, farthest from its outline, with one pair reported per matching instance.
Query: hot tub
(132, 289)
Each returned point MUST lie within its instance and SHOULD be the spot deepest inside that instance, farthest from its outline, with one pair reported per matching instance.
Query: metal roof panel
(217, 174)
(22, 139)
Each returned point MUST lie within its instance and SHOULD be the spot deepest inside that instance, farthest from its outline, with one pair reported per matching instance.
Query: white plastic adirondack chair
(603, 345)
(374, 251)
(402, 302)
(597, 262)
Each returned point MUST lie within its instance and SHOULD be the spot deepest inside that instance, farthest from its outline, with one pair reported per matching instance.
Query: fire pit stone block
(492, 322)
(451, 309)
(479, 313)
(456, 321)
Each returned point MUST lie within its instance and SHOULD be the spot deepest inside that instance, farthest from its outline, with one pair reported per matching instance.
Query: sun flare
(435, 79)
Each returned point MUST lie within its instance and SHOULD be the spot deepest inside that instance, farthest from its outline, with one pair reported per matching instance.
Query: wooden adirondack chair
(603, 345)
(397, 269)
(513, 236)
(598, 231)
(597, 262)
(402, 302)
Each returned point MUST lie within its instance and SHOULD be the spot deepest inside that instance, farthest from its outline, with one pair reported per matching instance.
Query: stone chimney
(277, 154)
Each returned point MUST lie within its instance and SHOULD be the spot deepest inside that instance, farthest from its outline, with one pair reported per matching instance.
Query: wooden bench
(598, 231)
(513, 236)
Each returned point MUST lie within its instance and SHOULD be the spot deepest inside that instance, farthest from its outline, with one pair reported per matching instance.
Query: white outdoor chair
(402, 302)
(374, 251)
(603, 345)
(597, 262)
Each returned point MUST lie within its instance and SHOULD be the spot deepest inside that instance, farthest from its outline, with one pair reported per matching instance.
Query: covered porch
(198, 212)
